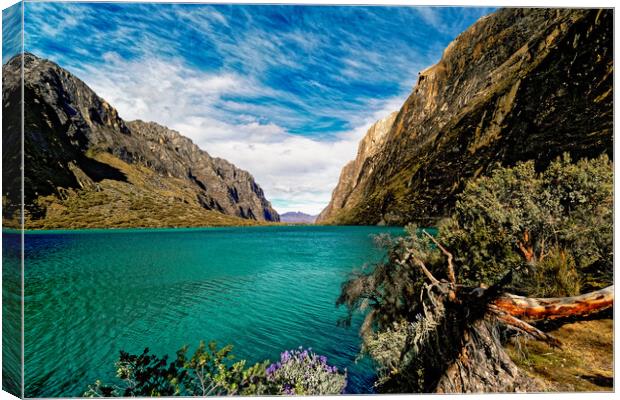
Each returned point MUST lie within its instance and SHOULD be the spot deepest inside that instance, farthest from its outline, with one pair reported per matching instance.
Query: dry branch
(536, 309)
(451, 275)
(426, 271)
(522, 326)
(422, 266)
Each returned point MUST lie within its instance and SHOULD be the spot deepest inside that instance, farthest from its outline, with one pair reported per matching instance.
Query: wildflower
(301, 371)
(271, 370)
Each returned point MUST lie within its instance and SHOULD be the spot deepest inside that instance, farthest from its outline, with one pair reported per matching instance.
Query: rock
(348, 191)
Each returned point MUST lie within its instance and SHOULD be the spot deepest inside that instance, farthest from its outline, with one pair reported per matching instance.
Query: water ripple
(89, 295)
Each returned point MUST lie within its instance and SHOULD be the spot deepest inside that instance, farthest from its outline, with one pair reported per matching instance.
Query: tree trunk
(463, 352)
(483, 365)
(537, 309)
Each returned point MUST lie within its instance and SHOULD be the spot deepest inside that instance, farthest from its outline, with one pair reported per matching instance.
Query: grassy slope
(584, 363)
(145, 200)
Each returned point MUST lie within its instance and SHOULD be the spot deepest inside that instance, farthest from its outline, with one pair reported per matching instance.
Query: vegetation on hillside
(539, 234)
(213, 371)
(143, 199)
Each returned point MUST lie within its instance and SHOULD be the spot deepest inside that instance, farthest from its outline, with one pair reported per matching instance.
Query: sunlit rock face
(519, 84)
(348, 190)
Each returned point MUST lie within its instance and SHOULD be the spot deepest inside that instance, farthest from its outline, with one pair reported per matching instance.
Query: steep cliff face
(222, 186)
(519, 84)
(77, 146)
(349, 190)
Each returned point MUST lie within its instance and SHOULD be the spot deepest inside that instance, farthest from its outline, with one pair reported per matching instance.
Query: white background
(547, 3)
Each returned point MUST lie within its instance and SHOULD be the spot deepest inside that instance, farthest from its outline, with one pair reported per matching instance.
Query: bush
(302, 372)
(555, 275)
(516, 218)
(387, 291)
(211, 371)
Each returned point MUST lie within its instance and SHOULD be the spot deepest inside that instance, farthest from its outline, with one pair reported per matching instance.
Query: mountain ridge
(76, 145)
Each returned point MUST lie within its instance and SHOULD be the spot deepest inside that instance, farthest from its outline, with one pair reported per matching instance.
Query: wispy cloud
(11, 32)
(285, 92)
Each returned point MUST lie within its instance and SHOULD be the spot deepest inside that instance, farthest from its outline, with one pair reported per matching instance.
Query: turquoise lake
(90, 294)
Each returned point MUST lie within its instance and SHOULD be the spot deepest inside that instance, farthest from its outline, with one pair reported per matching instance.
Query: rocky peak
(78, 103)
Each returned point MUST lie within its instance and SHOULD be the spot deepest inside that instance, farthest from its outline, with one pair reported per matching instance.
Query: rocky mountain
(297, 217)
(349, 191)
(85, 166)
(519, 84)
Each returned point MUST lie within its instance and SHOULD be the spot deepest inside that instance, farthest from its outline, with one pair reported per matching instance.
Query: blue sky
(11, 31)
(285, 92)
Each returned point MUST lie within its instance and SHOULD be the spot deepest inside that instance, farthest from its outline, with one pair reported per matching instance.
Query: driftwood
(464, 352)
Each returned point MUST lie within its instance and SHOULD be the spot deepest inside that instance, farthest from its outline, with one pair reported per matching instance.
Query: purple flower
(271, 370)
(323, 359)
(289, 390)
(331, 369)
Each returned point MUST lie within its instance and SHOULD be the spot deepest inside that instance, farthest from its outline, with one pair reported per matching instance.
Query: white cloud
(297, 173)
(432, 17)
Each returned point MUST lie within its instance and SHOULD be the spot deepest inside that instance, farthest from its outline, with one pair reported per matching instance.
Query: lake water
(90, 294)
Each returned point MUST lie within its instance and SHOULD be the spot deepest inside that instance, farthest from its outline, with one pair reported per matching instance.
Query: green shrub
(212, 372)
(554, 276)
(517, 217)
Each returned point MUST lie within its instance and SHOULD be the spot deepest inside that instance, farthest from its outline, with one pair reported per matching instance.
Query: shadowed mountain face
(76, 146)
(519, 84)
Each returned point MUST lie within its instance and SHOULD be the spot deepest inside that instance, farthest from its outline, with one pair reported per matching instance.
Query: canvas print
(246, 199)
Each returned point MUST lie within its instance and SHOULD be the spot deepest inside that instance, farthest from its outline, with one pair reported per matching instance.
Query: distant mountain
(86, 167)
(519, 84)
(297, 218)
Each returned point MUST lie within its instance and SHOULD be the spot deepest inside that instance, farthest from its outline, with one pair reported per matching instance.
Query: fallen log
(538, 309)
(461, 350)
(523, 327)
